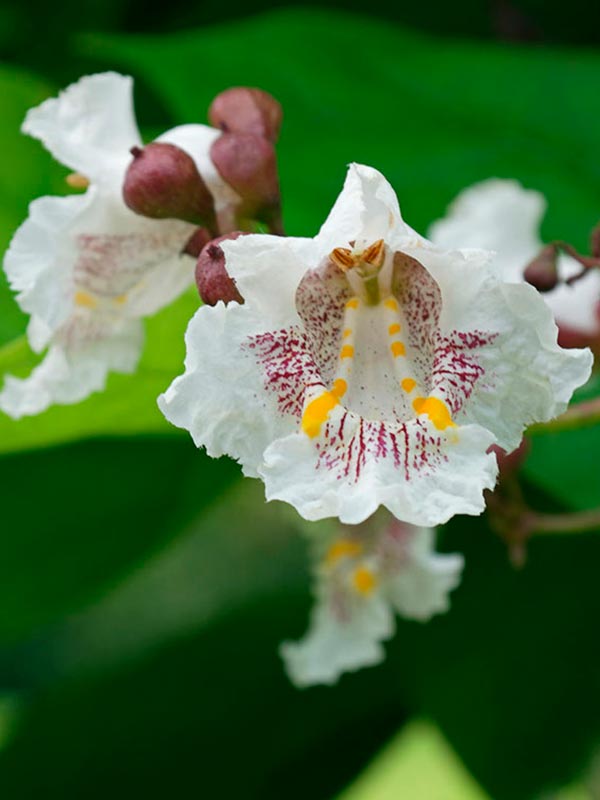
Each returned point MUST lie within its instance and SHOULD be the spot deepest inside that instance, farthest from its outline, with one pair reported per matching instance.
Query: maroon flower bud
(245, 110)
(595, 242)
(163, 182)
(542, 272)
(212, 280)
(248, 164)
(196, 242)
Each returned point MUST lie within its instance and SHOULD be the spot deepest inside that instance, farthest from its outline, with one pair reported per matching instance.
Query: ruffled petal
(498, 215)
(366, 209)
(90, 126)
(421, 589)
(333, 646)
(68, 376)
(527, 377)
(421, 475)
(221, 399)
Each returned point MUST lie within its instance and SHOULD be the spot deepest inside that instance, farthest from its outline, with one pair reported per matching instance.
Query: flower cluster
(364, 369)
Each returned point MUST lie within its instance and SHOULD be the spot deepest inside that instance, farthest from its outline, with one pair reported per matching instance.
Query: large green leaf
(434, 116)
(76, 518)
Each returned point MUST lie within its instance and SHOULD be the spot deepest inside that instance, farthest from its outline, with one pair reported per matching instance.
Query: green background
(143, 587)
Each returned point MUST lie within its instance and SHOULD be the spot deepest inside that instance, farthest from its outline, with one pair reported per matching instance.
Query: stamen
(85, 299)
(77, 181)
(364, 580)
(343, 548)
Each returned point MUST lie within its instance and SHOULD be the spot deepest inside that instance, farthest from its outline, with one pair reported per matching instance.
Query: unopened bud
(163, 182)
(245, 110)
(193, 246)
(212, 279)
(248, 164)
(542, 272)
(595, 242)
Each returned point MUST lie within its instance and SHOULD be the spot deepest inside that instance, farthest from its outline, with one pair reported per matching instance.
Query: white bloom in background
(364, 575)
(85, 267)
(501, 215)
(369, 367)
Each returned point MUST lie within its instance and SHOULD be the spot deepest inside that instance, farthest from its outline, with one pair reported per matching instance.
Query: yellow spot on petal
(347, 333)
(397, 349)
(85, 299)
(317, 411)
(364, 580)
(120, 299)
(408, 384)
(347, 351)
(437, 411)
(77, 181)
(352, 303)
(395, 328)
(391, 303)
(343, 548)
(339, 388)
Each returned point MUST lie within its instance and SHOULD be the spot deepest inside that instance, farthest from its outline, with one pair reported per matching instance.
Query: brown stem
(573, 522)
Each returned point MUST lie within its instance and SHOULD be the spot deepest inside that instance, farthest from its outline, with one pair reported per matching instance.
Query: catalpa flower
(85, 267)
(368, 367)
(503, 216)
(364, 575)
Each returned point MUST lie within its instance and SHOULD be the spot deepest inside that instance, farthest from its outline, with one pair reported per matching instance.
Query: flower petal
(90, 126)
(527, 376)
(68, 376)
(221, 399)
(420, 475)
(366, 209)
(421, 589)
(497, 215)
(333, 646)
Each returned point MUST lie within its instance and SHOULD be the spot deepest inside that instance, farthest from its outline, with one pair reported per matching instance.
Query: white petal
(90, 126)
(66, 377)
(332, 647)
(527, 376)
(220, 399)
(421, 589)
(497, 215)
(268, 271)
(354, 485)
(366, 209)
(576, 306)
(196, 141)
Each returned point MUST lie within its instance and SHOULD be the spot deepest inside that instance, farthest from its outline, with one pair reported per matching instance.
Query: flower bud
(212, 280)
(193, 246)
(542, 272)
(163, 182)
(245, 110)
(248, 164)
(509, 463)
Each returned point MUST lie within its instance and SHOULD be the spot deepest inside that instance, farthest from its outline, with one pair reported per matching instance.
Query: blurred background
(144, 588)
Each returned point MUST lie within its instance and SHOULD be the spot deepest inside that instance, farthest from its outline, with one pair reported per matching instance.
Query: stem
(575, 522)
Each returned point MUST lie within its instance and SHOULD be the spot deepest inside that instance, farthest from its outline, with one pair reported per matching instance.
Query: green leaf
(77, 518)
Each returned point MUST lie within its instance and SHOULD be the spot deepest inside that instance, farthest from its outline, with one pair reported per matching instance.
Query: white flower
(85, 267)
(364, 575)
(369, 367)
(501, 215)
